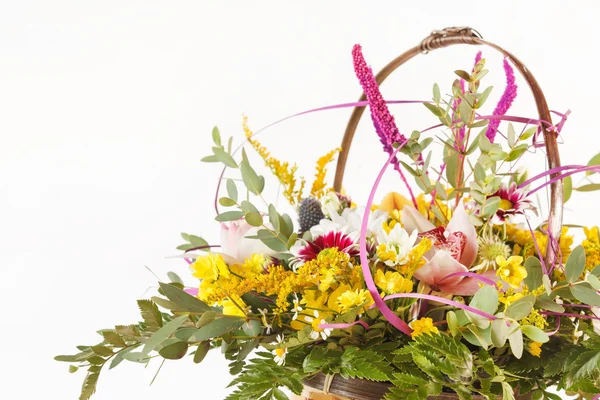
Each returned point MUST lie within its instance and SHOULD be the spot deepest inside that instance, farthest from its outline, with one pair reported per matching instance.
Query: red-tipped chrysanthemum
(513, 201)
(342, 242)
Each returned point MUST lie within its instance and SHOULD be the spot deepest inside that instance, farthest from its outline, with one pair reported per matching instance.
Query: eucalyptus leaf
(499, 332)
(520, 308)
(567, 188)
(201, 351)
(593, 281)
(227, 202)
(533, 266)
(452, 322)
(162, 334)
(184, 300)
(515, 340)
(535, 333)
(232, 191)
(575, 264)
(593, 161)
(229, 216)
(224, 157)
(216, 135)
(217, 328)
(588, 188)
(254, 219)
(586, 294)
(436, 93)
(174, 351)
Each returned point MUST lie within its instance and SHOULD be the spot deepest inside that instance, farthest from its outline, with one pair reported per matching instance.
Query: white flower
(297, 307)
(330, 204)
(264, 320)
(280, 352)
(235, 244)
(394, 247)
(316, 330)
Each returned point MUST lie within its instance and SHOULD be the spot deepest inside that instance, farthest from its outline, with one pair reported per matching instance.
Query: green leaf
(508, 393)
(163, 333)
(102, 351)
(586, 294)
(452, 322)
(567, 188)
(490, 207)
(112, 337)
(463, 75)
(520, 308)
(486, 299)
(546, 303)
(254, 219)
(583, 366)
(251, 178)
(229, 216)
(528, 133)
(593, 161)
(435, 109)
(151, 315)
(535, 334)
(479, 124)
(201, 351)
(512, 137)
(436, 93)
(166, 304)
(186, 301)
(89, 386)
(533, 266)
(227, 202)
(575, 264)
(174, 351)
(216, 136)
(118, 358)
(483, 97)
(73, 369)
(232, 190)
(593, 281)
(224, 157)
(217, 328)
(274, 218)
(515, 340)
(484, 144)
(465, 111)
(174, 277)
(451, 168)
(499, 332)
(515, 153)
(209, 159)
(588, 188)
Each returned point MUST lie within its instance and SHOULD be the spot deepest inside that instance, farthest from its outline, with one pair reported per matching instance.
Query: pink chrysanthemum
(513, 201)
(342, 242)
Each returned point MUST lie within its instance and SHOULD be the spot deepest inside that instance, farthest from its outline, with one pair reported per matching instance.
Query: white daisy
(280, 352)
(394, 247)
(316, 330)
(297, 307)
(264, 320)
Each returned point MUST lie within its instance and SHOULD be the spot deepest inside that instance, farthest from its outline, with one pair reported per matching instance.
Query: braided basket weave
(321, 387)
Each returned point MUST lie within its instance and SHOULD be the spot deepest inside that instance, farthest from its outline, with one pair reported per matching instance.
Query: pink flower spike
(509, 95)
(383, 121)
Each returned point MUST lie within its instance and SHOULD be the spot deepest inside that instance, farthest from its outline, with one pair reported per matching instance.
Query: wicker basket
(321, 387)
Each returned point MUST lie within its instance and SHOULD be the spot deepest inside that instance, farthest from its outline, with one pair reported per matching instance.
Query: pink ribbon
(441, 300)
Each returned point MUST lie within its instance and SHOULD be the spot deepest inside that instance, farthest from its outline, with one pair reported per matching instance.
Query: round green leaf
(254, 219)
(593, 281)
(534, 333)
(575, 264)
(226, 202)
(520, 308)
(515, 340)
(174, 351)
(586, 294)
(201, 351)
(252, 328)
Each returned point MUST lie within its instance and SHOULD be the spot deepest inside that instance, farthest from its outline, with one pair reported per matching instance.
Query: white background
(106, 108)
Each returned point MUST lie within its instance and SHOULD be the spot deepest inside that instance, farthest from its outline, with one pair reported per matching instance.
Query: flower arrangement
(448, 290)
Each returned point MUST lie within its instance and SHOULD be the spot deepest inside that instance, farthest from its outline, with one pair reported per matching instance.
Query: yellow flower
(237, 307)
(535, 349)
(392, 282)
(282, 170)
(509, 297)
(511, 270)
(536, 319)
(423, 325)
(525, 246)
(415, 258)
(210, 266)
(354, 298)
(591, 245)
(318, 186)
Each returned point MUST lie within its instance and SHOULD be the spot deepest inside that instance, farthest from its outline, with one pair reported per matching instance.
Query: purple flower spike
(384, 122)
(510, 92)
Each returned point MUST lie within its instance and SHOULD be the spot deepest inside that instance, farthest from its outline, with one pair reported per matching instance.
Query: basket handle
(465, 35)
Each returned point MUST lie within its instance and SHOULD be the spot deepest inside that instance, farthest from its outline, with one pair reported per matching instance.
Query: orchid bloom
(453, 252)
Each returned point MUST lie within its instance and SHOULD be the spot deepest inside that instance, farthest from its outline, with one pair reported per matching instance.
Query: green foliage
(150, 314)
